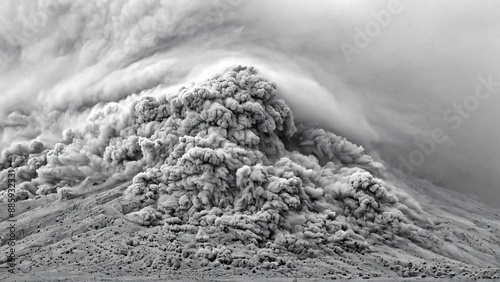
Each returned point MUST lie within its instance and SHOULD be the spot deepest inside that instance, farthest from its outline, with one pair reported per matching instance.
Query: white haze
(60, 58)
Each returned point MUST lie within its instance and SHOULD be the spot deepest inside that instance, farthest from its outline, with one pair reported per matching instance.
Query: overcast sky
(384, 85)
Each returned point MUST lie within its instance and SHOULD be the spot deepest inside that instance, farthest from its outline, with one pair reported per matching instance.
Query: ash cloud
(60, 58)
(225, 159)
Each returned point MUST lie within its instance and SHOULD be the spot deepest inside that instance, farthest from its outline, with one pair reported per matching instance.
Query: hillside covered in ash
(218, 179)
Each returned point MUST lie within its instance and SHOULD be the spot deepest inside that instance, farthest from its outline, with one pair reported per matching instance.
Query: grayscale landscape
(234, 140)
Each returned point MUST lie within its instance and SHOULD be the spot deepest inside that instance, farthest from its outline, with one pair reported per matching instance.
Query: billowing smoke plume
(225, 159)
